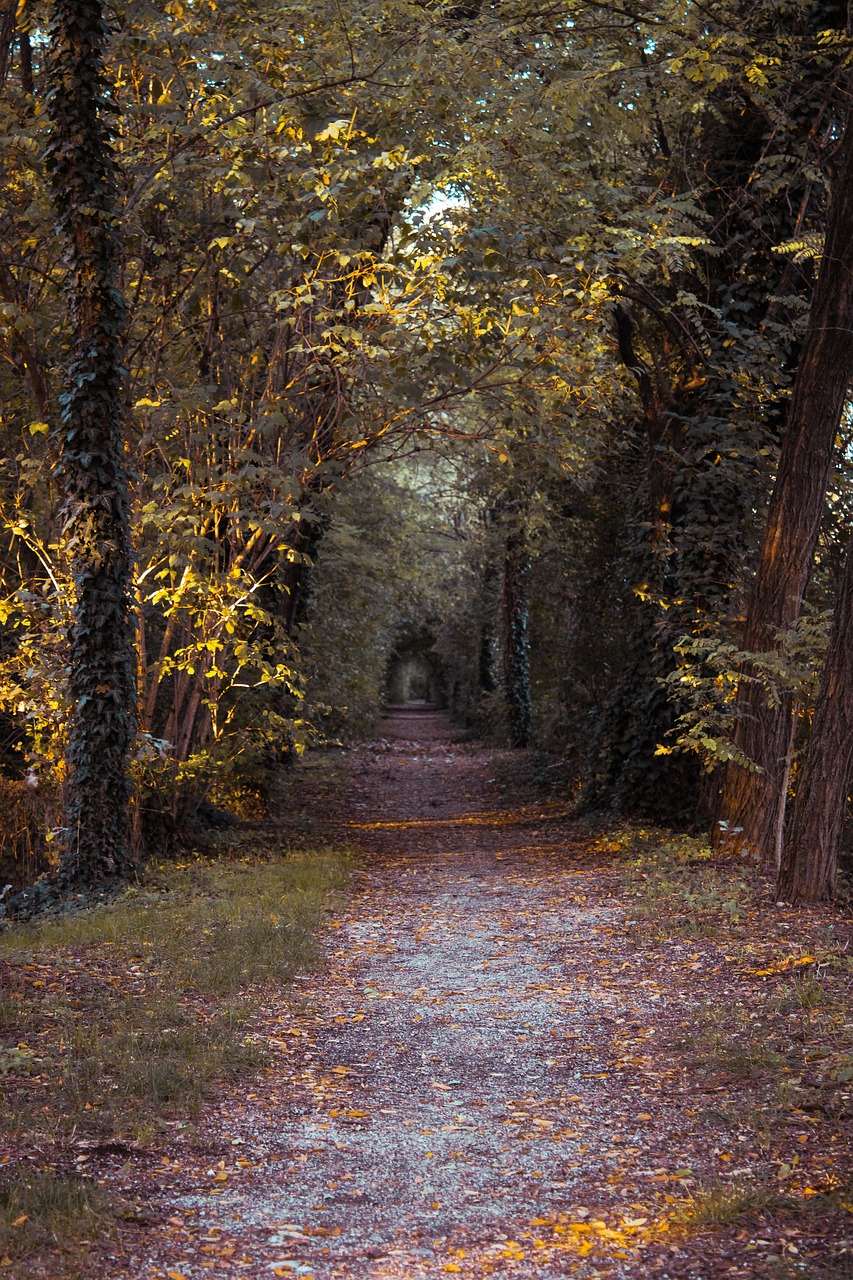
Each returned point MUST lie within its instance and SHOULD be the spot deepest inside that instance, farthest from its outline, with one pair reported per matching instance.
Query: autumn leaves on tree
(517, 342)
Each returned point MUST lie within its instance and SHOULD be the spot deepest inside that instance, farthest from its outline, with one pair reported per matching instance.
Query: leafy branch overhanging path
(483, 1080)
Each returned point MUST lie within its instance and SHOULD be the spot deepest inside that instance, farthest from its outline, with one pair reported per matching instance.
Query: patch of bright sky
(440, 202)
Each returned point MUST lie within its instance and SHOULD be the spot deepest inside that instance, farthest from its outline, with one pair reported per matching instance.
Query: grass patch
(725, 1040)
(43, 1208)
(677, 889)
(778, 1215)
(215, 927)
(127, 1063)
(722, 1204)
(117, 1018)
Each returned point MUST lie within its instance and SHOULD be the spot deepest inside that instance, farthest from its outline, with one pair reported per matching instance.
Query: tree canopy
(462, 330)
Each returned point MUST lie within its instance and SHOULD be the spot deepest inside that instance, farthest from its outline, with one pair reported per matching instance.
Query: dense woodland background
(492, 353)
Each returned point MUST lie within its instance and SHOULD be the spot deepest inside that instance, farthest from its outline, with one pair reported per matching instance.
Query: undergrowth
(765, 1037)
(727, 1040)
(40, 1208)
(721, 1203)
(763, 1205)
(677, 888)
(118, 1017)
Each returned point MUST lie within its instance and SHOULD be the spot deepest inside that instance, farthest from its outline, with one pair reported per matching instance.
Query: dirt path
(474, 1084)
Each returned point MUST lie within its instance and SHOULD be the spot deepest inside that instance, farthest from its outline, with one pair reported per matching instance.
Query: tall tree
(752, 804)
(81, 166)
(810, 854)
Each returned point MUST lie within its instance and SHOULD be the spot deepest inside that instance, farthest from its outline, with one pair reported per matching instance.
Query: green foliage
(707, 679)
(679, 890)
(568, 253)
(390, 570)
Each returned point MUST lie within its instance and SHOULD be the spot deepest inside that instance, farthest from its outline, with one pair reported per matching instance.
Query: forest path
(470, 1086)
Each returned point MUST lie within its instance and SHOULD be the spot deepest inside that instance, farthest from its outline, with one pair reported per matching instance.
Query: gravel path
(492, 1073)
(446, 1101)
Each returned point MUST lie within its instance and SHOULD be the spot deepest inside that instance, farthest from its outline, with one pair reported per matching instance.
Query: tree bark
(516, 642)
(810, 855)
(486, 682)
(92, 469)
(752, 805)
(28, 83)
(7, 39)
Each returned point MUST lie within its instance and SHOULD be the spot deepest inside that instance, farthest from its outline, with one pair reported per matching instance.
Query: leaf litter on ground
(536, 1045)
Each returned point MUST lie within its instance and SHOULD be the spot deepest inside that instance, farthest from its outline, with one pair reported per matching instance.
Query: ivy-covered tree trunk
(752, 804)
(102, 679)
(810, 854)
(516, 642)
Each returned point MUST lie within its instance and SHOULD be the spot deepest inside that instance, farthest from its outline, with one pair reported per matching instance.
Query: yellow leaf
(38, 428)
(221, 1175)
(20, 1221)
(451, 1266)
(176, 1275)
(607, 1233)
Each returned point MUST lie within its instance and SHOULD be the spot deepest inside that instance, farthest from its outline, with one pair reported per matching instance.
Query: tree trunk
(7, 39)
(516, 643)
(485, 674)
(95, 512)
(752, 805)
(28, 83)
(810, 855)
